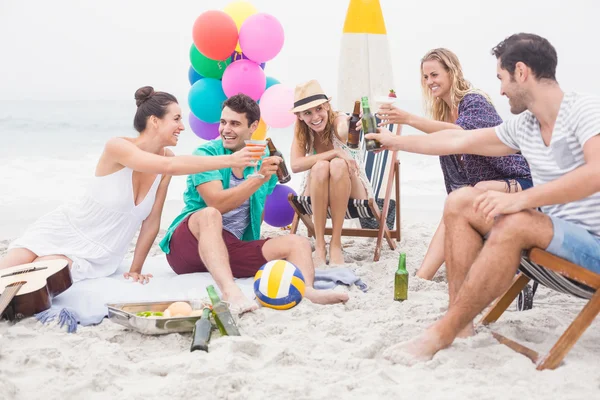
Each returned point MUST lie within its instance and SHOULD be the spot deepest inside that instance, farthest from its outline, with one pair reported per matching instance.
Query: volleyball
(279, 284)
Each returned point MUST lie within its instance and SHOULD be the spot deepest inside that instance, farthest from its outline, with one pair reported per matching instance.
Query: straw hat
(308, 95)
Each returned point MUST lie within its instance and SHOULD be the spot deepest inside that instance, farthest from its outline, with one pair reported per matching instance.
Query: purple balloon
(278, 211)
(235, 56)
(204, 130)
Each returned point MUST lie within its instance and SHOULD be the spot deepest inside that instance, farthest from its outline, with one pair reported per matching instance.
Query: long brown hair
(460, 87)
(303, 132)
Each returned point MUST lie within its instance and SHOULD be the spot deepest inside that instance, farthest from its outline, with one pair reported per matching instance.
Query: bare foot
(320, 254)
(467, 331)
(325, 296)
(417, 350)
(238, 302)
(336, 255)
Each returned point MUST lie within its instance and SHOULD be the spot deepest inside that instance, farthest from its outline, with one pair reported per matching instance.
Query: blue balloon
(205, 99)
(193, 76)
(271, 81)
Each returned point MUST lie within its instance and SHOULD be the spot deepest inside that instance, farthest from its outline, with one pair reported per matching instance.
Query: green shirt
(193, 201)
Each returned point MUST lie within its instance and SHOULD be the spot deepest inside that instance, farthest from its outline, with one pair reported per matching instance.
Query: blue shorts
(575, 244)
(525, 183)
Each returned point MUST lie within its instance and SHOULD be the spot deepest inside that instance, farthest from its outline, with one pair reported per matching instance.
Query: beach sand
(310, 351)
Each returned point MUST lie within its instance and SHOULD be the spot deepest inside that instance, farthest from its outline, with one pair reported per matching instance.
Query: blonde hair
(459, 88)
(304, 133)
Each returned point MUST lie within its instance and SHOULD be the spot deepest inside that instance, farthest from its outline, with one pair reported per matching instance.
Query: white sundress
(356, 154)
(95, 230)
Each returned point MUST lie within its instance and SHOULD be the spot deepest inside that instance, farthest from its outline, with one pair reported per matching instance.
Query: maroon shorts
(245, 258)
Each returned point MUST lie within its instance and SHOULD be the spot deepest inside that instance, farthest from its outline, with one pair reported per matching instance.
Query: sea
(49, 150)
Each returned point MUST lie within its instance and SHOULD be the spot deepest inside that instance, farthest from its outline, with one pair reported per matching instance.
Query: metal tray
(124, 314)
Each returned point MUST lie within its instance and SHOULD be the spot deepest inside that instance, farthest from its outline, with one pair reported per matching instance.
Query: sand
(311, 351)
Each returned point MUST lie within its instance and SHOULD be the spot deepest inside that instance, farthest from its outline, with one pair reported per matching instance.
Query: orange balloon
(261, 132)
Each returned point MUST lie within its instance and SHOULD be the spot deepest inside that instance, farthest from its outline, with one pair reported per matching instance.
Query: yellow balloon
(261, 131)
(239, 11)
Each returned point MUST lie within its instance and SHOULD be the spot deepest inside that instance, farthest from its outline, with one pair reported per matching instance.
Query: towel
(330, 278)
(85, 302)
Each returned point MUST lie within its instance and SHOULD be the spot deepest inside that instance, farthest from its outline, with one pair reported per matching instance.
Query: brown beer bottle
(353, 133)
(282, 171)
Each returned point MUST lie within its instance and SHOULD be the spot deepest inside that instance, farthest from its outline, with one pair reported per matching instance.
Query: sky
(105, 50)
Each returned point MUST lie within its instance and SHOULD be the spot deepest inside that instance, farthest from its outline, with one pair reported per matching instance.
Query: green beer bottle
(401, 280)
(369, 125)
(223, 317)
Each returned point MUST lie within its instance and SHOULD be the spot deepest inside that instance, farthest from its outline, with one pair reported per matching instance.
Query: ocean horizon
(50, 150)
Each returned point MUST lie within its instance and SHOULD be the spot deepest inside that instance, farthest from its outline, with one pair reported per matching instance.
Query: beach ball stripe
(279, 284)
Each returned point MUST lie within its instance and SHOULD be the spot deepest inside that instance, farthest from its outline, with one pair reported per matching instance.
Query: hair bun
(143, 94)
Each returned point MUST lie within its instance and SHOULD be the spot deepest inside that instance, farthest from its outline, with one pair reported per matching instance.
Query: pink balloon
(244, 76)
(275, 106)
(261, 37)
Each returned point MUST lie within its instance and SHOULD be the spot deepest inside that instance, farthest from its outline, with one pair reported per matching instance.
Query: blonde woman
(333, 171)
(453, 103)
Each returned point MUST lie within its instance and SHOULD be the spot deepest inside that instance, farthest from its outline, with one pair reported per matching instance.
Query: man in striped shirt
(557, 133)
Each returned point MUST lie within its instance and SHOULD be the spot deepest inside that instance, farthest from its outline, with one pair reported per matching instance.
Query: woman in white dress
(334, 171)
(128, 191)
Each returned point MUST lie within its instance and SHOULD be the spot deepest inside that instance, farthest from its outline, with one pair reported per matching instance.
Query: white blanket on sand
(85, 302)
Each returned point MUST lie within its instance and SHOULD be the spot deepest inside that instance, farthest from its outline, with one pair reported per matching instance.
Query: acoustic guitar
(29, 288)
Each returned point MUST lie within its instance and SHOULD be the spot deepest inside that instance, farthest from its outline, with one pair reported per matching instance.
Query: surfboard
(365, 67)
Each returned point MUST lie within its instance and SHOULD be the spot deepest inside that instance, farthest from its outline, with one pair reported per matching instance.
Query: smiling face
(512, 89)
(170, 125)
(234, 129)
(316, 117)
(436, 78)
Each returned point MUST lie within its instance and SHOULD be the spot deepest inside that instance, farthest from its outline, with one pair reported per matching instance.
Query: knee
(206, 216)
(299, 243)
(484, 185)
(338, 169)
(510, 227)
(458, 200)
(320, 171)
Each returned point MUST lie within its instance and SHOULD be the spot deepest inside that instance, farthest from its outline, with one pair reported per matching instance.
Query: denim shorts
(575, 244)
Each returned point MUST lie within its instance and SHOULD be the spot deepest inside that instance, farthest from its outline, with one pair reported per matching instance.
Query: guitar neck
(8, 294)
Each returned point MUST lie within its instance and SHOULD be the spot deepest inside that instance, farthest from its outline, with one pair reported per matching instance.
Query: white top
(94, 231)
(578, 120)
(356, 154)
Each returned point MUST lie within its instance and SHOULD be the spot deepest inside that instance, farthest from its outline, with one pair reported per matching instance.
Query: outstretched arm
(482, 142)
(390, 114)
(123, 152)
(226, 200)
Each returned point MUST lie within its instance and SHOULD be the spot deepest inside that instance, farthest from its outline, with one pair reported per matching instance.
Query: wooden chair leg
(294, 227)
(572, 334)
(305, 218)
(383, 230)
(500, 305)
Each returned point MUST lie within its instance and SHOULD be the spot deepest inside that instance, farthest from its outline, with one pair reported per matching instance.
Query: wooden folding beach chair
(383, 172)
(560, 275)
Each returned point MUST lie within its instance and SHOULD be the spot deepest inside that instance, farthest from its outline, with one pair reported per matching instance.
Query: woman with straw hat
(334, 172)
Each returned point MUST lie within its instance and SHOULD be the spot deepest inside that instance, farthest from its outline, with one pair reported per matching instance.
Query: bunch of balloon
(228, 56)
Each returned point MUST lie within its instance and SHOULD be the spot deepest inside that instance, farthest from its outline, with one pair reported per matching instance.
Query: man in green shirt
(218, 231)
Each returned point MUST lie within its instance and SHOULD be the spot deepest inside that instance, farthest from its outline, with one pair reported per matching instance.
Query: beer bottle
(223, 318)
(369, 125)
(282, 171)
(401, 280)
(353, 133)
